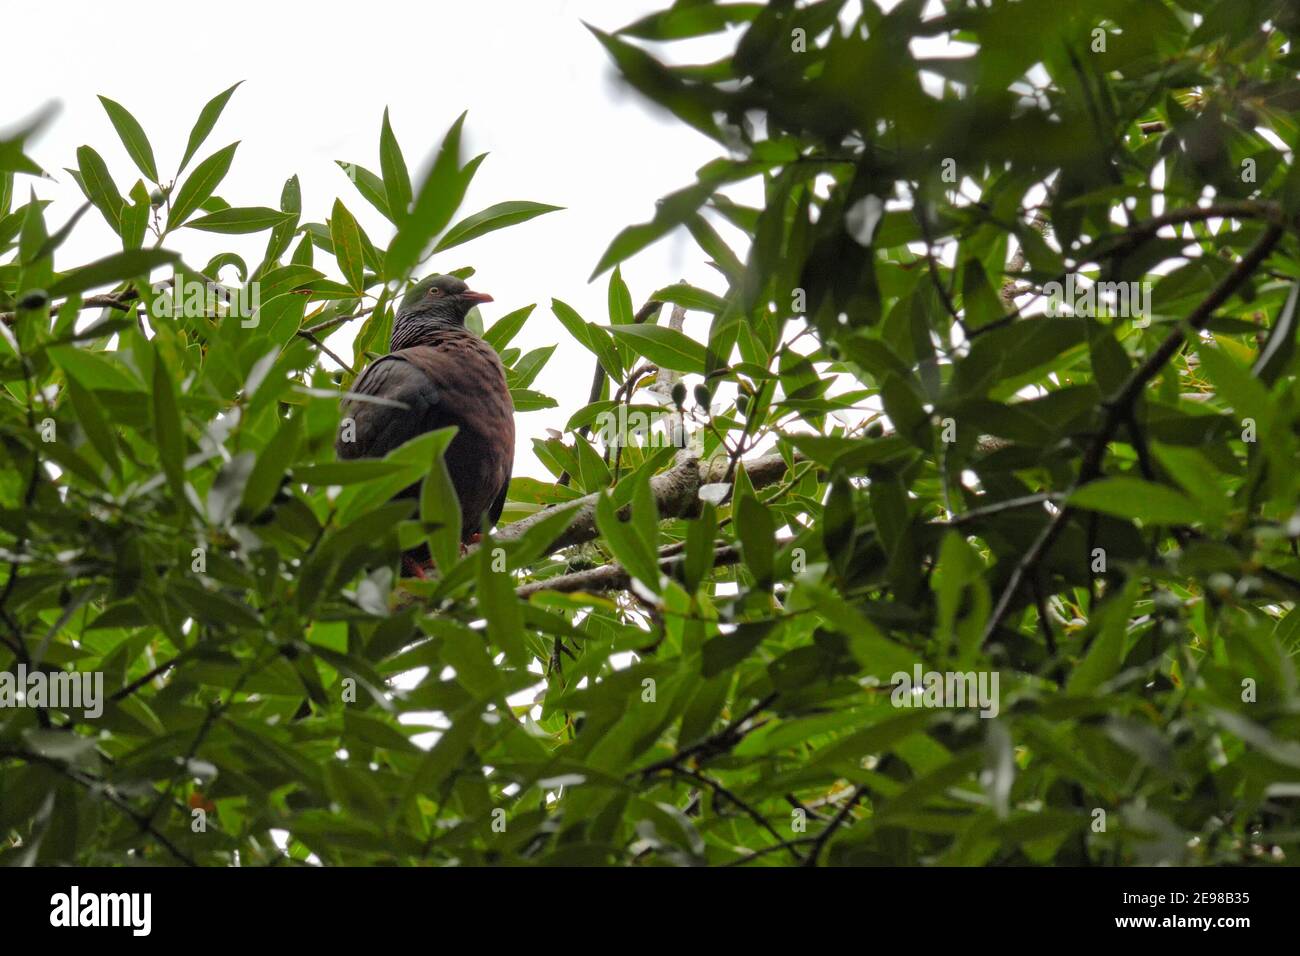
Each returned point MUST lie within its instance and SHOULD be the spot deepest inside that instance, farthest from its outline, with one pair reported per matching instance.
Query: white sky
(541, 99)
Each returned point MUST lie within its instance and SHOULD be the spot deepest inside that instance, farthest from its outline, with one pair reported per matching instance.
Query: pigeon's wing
(453, 379)
(396, 400)
(473, 396)
(499, 505)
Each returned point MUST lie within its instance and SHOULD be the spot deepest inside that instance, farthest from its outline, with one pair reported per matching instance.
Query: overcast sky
(541, 97)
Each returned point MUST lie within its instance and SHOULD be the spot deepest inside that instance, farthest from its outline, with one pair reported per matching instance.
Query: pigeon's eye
(434, 293)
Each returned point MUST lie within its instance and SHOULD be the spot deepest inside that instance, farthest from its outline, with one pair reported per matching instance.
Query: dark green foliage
(1101, 512)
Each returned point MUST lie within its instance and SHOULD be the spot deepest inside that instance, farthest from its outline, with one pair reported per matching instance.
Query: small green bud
(875, 430)
(679, 394)
(742, 403)
(702, 395)
(157, 198)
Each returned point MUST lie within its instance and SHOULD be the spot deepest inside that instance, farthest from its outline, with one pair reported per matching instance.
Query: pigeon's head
(441, 299)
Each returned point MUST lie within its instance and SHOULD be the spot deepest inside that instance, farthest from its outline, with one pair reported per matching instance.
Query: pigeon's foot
(412, 568)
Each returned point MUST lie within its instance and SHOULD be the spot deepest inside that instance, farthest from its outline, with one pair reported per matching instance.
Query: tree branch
(310, 337)
(676, 492)
(715, 744)
(614, 577)
(112, 300)
(1120, 406)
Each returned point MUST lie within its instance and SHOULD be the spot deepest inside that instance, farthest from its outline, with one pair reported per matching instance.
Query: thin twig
(838, 821)
(310, 337)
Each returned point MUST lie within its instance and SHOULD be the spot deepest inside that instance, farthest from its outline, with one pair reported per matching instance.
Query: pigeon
(442, 374)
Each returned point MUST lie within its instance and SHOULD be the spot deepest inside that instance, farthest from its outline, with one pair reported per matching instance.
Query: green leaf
(131, 264)
(272, 463)
(594, 337)
(728, 650)
(168, 432)
(757, 533)
(439, 506)
(133, 138)
(628, 546)
(99, 187)
(135, 217)
(573, 323)
(96, 425)
(414, 456)
(505, 328)
(61, 236)
(490, 219)
(93, 370)
(675, 209)
(1246, 394)
(620, 300)
(527, 400)
(876, 653)
(228, 487)
(645, 512)
(1194, 473)
(1107, 633)
(1277, 354)
(200, 185)
(691, 298)
(1135, 498)
(500, 606)
(240, 220)
(346, 236)
(700, 547)
(203, 126)
(397, 181)
(667, 348)
(657, 82)
(347, 472)
(369, 185)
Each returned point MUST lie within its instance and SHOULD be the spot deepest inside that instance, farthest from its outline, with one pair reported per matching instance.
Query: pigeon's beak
(475, 297)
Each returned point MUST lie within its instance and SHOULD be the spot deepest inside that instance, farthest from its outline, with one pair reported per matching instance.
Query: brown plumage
(444, 375)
